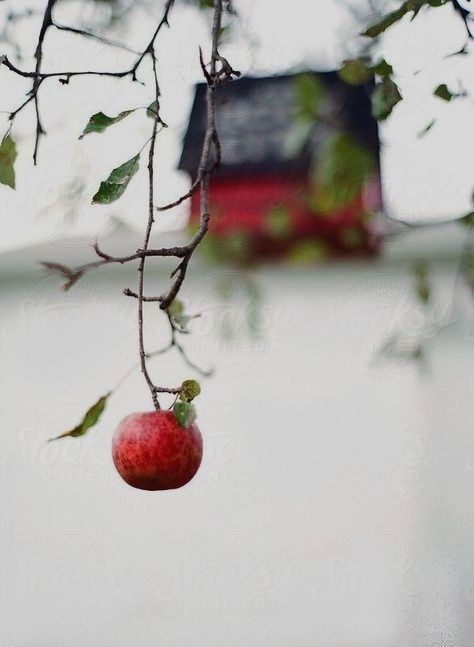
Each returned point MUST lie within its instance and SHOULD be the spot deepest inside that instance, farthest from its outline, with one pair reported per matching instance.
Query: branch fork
(219, 71)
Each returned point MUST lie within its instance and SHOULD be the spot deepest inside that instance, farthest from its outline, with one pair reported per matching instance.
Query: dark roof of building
(255, 116)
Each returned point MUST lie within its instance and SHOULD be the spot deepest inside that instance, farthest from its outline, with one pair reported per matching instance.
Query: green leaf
(178, 317)
(297, 137)
(185, 413)
(468, 271)
(190, 389)
(387, 21)
(443, 93)
(7, 159)
(310, 92)
(100, 122)
(176, 307)
(427, 128)
(467, 220)
(114, 186)
(358, 71)
(234, 247)
(91, 417)
(224, 31)
(385, 97)
(355, 71)
(342, 169)
(382, 68)
(278, 223)
(390, 19)
(153, 109)
(421, 283)
(308, 251)
(423, 293)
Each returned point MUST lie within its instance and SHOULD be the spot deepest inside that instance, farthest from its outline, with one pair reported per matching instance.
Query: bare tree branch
(100, 39)
(219, 71)
(47, 22)
(64, 76)
(74, 274)
(211, 145)
(151, 219)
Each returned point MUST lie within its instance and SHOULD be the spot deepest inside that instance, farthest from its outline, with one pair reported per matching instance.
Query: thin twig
(37, 74)
(211, 145)
(219, 70)
(184, 197)
(47, 22)
(151, 219)
(133, 368)
(211, 139)
(166, 389)
(150, 47)
(64, 76)
(100, 39)
(72, 275)
(190, 363)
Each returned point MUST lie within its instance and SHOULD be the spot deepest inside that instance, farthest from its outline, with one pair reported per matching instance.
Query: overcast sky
(423, 178)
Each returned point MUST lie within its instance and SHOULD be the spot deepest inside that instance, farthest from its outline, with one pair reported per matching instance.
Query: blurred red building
(280, 153)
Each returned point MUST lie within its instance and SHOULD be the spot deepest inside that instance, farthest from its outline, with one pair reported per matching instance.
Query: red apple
(152, 451)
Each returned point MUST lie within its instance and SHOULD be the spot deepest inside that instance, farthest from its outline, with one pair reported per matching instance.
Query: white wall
(333, 505)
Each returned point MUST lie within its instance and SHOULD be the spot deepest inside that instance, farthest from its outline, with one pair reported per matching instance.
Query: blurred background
(333, 504)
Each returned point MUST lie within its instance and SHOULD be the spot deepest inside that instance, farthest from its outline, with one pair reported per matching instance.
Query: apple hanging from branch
(160, 450)
(153, 450)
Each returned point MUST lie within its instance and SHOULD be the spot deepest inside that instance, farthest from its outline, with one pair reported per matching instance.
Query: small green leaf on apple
(185, 413)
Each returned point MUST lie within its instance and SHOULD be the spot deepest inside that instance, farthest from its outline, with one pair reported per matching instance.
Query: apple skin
(151, 451)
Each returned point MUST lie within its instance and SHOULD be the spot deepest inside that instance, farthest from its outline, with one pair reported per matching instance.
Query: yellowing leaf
(190, 389)
(90, 418)
(7, 160)
(355, 71)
